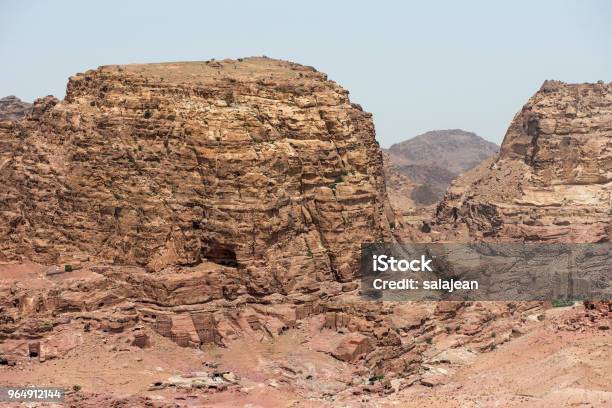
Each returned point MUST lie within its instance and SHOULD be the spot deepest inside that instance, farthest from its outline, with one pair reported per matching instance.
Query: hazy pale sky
(417, 66)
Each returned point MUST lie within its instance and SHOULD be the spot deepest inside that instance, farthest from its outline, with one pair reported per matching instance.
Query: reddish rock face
(226, 180)
(552, 178)
(352, 347)
(255, 164)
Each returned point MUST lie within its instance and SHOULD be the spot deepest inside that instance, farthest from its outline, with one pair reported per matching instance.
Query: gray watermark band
(486, 271)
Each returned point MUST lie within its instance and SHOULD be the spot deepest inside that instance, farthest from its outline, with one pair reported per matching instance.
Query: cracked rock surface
(256, 164)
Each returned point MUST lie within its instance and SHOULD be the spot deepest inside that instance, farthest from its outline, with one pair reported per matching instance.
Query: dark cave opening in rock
(34, 350)
(219, 253)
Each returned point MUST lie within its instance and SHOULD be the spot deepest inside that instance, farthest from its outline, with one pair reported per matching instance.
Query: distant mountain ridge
(434, 159)
(13, 108)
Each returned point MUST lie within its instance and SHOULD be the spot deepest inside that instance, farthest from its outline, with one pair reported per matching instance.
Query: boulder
(352, 347)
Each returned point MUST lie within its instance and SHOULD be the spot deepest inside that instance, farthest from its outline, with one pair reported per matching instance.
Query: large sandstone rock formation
(553, 177)
(230, 188)
(255, 164)
(13, 108)
(434, 159)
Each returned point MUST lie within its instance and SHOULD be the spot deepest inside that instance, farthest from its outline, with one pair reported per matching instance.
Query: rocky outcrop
(256, 165)
(13, 108)
(434, 159)
(352, 347)
(197, 205)
(201, 203)
(552, 180)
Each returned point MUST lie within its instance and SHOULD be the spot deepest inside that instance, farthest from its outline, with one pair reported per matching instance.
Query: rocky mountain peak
(434, 159)
(13, 108)
(551, 180)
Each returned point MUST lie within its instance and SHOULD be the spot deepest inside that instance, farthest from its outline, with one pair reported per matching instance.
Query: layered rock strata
(552, 180)
(254, 164)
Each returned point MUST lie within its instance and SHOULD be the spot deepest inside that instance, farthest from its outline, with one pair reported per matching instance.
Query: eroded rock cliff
(172, 207)
(257, 164)
(553, 177)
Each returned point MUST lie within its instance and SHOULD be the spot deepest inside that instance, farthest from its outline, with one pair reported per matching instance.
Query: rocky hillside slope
(434, 159)
(13, 108)
(197, 205)
(255, 164)
(194, 228)
(552, 179)
(399, 187)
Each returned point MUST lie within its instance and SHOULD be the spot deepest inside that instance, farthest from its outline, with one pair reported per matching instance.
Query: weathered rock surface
(206, 202)
(13, 108)
(175, 208)
(255, 164)
(433, 160)
(352, 347)
(552, 180)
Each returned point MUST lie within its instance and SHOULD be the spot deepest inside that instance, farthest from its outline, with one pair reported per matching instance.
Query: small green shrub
(76, 388)
(68, 268)
(562, 303)
(46, 326)
(147, 114)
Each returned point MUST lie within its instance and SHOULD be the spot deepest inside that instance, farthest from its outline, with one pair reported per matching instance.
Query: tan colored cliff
(553, 177)
(232, 190)
(255, 164)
